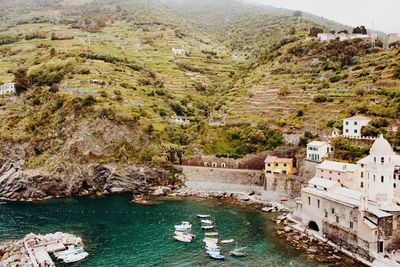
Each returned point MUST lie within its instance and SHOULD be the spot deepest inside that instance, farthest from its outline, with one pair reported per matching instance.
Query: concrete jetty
(34, 250)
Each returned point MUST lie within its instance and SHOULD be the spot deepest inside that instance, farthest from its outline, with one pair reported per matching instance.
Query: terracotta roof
(273, 159)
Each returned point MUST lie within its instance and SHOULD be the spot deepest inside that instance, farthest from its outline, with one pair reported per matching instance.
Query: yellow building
(278, 165)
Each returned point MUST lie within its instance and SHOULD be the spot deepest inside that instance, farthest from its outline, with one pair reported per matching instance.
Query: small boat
(71, 250)
(75, 257)
(212, 250)
(210, 240)
(203, 215)
(211, 234)
(183, 227)
(228, 241)
(207, 227)
(268, 209)
(237, 252)
(216, 256)
(209, 222)
(183, 238)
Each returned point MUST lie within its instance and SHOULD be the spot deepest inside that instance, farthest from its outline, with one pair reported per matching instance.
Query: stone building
(343, 173)
(364, 220)
(8, 88)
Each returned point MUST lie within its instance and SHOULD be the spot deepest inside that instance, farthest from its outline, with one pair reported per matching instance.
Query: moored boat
(211, 234)
(75, 257)
(209, 222)
(216, 256)
(210, 240)
(184, 226)
(71, 250)
(207, 227)
(183, 238)
(228, 241)
(203, 215)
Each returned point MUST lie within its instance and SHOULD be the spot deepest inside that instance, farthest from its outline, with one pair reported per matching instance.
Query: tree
(360, 30)
(21, 80)
(314, 31)
(343, 31)
(297, 13)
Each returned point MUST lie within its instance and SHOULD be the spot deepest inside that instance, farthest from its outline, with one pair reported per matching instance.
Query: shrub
(320, 99)
(335, 79)
(88, 101)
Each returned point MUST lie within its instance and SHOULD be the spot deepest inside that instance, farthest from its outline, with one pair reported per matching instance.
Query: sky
(382, 15)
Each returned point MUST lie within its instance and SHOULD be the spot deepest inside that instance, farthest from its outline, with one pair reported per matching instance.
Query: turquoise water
(119, 233)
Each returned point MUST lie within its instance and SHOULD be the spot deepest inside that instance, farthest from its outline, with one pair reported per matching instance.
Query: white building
(180, 52)
(323, 37)
(352, 126)
(377, 172)
(317, 150)
(180, 120)
(393, 37)
(8, 88)
(364, 220)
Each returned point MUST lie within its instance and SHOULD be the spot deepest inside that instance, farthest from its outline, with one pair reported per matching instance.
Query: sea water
(117, 232)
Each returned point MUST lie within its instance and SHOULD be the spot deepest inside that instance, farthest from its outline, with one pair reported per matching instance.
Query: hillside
(98, 81)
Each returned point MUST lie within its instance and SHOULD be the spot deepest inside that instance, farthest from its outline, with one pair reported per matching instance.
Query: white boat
(207, 227)
(184, 233)
(183, 238)
(183, 227)
(228, 241)
(207, 222)
(213, 250)
(216, 256)
(210, 240)
(211, 246)
(237, 252)
(71, 250)
(75, 257)
(268, 209)
(211, 234)
(203, 215)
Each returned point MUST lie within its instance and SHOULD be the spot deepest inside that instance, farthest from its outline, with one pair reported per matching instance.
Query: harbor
(117, 232)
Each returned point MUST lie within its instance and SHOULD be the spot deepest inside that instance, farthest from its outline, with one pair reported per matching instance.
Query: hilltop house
(323, 37)
(364, 220)
(8, 88)
(275, 165)
(352, 126)
(179, 120)
(317, 150)
(393, 38)
(180, 52)
(340, 172)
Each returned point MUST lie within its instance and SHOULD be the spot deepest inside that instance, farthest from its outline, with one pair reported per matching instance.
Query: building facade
(8, 88)
(362, 217)
(343, 173)
(323, 37)
(318, 150)
(275, 165)
(352, 126)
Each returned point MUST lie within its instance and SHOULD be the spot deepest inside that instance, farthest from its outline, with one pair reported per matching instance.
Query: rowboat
(211, 234)
(71, 250)
(203, 215)
(216, 256)
(183, 238)
(228, 241)
(207, 227)
(209, 222)
(183, 227)
(210, 240)
(237, 252)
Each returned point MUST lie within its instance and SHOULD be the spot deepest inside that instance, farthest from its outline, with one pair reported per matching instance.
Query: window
(351, 225)
(382, 179)
(362, 174)
(394, 176)
(276, 164)
(355, 123)
(394, 185)
(269, 172)
(337, 219)
(382, 160)
(362, 185)
(318, 203)
(333, 210)
(355, 131)
(347, 130)
(375, 159)
(362, 165)
(309, 200)
(269, 164)
(374, 177)
(347, 123)
(284, 164)
(284, 172)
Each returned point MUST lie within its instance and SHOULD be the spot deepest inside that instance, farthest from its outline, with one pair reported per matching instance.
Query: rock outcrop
(17, 183)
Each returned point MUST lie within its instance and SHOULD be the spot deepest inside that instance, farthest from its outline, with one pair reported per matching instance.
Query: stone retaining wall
(288, 184)
(220, 175)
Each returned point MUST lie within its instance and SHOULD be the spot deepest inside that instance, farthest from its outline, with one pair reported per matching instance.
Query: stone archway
(313, 226)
